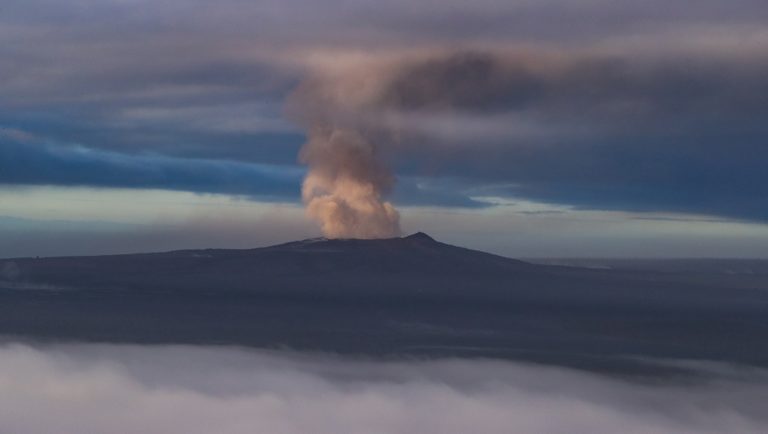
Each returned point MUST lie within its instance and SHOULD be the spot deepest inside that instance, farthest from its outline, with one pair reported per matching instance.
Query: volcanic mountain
(320, 266)
(400, 296)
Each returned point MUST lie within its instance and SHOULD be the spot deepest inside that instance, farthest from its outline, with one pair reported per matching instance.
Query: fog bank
(174, 389)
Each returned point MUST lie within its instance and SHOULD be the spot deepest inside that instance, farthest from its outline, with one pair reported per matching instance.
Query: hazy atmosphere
(547, 128)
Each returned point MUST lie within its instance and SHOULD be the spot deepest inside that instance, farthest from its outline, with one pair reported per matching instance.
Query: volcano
(410, 296)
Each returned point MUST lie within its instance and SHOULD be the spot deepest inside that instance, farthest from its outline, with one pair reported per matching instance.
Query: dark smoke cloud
(468, 81)
(558, 85)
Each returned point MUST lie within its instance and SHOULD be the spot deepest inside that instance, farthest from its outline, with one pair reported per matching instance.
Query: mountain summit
(325, 265)
(420, 236)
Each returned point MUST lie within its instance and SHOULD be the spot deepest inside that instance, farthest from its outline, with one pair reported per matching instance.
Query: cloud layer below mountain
(172, 389)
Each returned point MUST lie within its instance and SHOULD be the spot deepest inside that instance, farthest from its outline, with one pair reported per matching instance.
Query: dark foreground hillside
(409, 296)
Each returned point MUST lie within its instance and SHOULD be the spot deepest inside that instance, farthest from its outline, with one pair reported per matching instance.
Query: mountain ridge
(415, 255)
(397, 296)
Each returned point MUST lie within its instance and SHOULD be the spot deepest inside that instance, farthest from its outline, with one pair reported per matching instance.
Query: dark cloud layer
(37, 163)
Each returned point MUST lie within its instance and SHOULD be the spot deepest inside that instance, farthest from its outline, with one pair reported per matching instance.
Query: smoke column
(345, 186)
(348, 113)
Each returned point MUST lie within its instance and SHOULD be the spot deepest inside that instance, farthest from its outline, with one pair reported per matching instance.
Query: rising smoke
(345, 187)
(348, 181)
(428, 101)
(352, 112)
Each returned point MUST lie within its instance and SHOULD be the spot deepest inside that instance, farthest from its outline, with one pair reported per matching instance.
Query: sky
(547, 128)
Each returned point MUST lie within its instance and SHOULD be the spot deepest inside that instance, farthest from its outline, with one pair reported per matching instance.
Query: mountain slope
(350, 263)
(400, 296)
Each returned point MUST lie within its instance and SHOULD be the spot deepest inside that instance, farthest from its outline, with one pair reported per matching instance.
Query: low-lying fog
(175, 389)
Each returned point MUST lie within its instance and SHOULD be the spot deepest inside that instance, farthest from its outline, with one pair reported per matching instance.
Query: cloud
(641, 106)
(174, 389)
(28, 161)
(38, 163)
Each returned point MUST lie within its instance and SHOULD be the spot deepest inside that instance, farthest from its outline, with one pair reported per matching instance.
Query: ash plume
(345, 186)
(347, 181)
(481, 109)
(354, 110)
